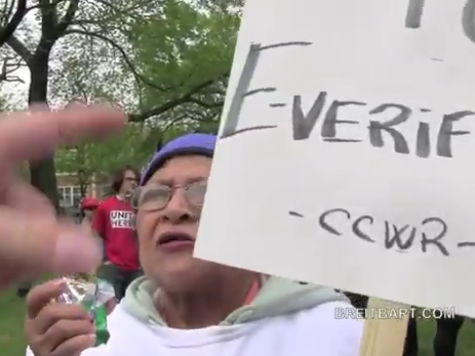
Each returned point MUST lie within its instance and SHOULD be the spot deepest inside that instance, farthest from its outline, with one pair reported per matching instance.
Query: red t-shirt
(114, 222)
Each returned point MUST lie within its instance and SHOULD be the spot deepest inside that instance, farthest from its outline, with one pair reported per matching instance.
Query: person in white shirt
(189, 307)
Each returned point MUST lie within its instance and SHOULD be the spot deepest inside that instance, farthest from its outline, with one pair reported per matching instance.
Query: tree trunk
(82, 182)
(42, 172)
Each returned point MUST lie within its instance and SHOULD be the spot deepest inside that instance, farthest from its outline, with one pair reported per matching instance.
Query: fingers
(69, 337)
(56, 328)
(75, 345)
(62, 321)
(26, 198)
(31, 245)
(41, 295)
(29, 136)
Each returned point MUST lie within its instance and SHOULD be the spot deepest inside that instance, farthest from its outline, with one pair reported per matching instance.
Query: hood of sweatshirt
(277, 296)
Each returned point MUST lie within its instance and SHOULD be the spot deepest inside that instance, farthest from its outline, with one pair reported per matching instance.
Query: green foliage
(182, 46)
(187, 48)
(160, 60)
(165, 61)
(96, 161)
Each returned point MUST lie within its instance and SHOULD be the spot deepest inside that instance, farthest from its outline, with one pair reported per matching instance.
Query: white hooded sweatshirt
(285, 319)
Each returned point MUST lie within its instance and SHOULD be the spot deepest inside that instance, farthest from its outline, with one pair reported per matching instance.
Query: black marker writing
(466, 244)
(257, 91)
(231, 122)
(230, 127)
(381, 134)
(324, 224)
(303, 124)
(395, 235)
(445, 132)
(423, 140)
(286, 44)
(415, 11)
(468, 20)
(356, 227)
(340, 222)
(253, 128)
(376, 128)
(435, 240)
(294, 213)
(331, 120)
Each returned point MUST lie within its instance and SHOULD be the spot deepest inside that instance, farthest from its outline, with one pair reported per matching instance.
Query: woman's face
(172, 264)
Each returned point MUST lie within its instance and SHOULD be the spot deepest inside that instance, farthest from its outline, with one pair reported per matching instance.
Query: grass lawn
(465, 343)
(12, 341)
(12, 312)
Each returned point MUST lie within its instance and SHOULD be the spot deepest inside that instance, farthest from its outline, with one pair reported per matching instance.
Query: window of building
(69, 196)
(76, 196)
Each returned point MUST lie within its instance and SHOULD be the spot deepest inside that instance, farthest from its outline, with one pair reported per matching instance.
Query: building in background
(69, 190)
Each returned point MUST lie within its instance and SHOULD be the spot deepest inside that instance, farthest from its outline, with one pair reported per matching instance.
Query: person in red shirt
(114, 223)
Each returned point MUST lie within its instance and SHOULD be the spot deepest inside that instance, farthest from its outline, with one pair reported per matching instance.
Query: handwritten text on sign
(303, 124)
(401, 238)
(348, 139)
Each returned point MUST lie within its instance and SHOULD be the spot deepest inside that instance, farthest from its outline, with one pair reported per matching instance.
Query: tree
(194, 47)
(54, 23)
(94, 162)
(172, 56)
(11, 15)
(165, 54)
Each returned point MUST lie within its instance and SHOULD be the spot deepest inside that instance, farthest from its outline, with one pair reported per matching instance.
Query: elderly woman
(200, 308)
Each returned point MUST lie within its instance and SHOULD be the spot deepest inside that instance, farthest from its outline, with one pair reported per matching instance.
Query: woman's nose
(177, 210)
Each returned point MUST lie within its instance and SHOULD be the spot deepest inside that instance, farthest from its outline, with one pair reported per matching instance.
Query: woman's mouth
(172, 241)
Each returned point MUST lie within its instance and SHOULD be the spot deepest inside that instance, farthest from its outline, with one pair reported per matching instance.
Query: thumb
(31, 246)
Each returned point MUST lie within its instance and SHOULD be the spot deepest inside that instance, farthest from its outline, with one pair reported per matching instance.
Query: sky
(18, 91)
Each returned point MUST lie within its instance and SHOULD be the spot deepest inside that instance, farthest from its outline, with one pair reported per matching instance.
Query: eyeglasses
(155, 197)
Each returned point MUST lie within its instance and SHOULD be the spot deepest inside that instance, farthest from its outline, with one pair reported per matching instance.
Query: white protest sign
(347, 149)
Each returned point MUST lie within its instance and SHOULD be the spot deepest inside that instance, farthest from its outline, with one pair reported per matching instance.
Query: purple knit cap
(197, 143)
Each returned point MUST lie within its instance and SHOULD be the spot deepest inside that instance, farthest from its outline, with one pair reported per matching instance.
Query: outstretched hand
(32, 240)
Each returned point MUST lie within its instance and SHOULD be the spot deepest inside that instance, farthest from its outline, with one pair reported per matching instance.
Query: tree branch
(49, 19)
(11, 26)
(8, 68)
(207, 105)
(7, 11)
(20, 49)
(185, 98)
(68, 17)
(116, 11)
(119, 10)
(50, 4)
(124, 55)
